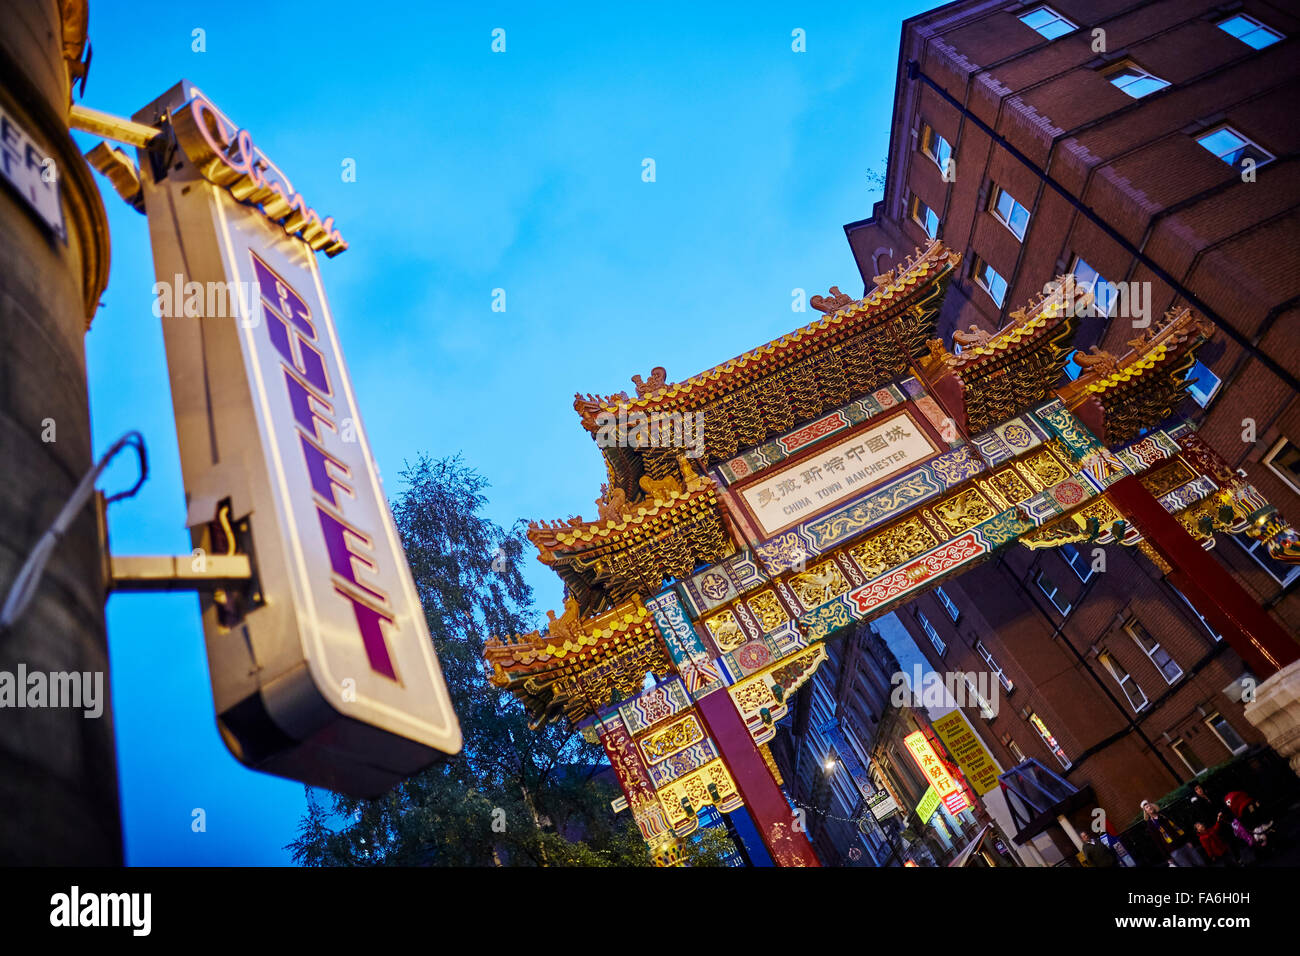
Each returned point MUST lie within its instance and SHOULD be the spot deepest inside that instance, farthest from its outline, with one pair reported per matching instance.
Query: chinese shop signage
(945, 785)
(968, 751)
(849, 467)
(929, 803)
(323, 670)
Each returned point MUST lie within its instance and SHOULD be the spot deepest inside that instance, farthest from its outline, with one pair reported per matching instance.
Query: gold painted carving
(768, 610)
(819, 585)
(893, 546)
(964, 510)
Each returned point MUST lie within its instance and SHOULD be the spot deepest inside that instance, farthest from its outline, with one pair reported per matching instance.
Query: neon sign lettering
(292, 334)
(226, 155)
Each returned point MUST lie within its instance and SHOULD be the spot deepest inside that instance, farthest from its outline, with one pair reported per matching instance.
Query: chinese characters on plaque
(846, 468)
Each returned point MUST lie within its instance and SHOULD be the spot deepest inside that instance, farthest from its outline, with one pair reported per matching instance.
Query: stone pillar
(1276, 712)
(58, 771)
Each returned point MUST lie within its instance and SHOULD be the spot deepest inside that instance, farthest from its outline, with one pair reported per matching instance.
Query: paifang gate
(845, 468)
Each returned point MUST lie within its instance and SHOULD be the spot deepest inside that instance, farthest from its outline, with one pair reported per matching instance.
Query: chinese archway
(841, 470)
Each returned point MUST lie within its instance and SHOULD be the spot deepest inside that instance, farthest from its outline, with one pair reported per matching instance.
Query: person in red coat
(1215, 842)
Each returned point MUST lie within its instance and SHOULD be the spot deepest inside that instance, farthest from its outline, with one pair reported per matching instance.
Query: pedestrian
(1247, 811)
(1202, 808)
(1246, 843)
(1215, 843)
(1170, 837)
(1094, 853)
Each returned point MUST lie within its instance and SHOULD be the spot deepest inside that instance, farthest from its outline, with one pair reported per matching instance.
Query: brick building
(1147, 148)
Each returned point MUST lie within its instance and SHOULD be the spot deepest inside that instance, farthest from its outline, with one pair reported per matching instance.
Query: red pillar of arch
(1248, 628)
(763, 798)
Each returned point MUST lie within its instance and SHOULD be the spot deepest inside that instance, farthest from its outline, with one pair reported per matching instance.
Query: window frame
(1079, 556)
(1199, 616)
(1051, 595)
(1214, 392)
(1182, 743)
(1056, 18)
(915, 206)
(986, 709)
(1258, 26)
(981, 266)
(1049, 740)
(954, 612)
(1250, 549)
(1267, 461)
(929, 136)
(1115, 668)
(1116, 69)
(1265, 157)
(1008, 219)
(1209, 722)
(931, 632)
(1097, 279)
(994, 667)
(1131, 627)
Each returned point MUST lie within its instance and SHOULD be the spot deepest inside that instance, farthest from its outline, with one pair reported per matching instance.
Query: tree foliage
(515, 795)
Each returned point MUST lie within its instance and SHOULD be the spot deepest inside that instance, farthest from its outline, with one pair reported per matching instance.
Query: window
(1233, 148)
(1248, 30)
(1014, 749)
(1048, 739)
(1204, 384)
(935, 639)
(1104, 294)
(1009, 212)
(973, 695)
(1226, 733)
(1136, 697)
(1076, 561)
(1047, 22)
(1134, 80)
(993, 665)
(1194, 763)
(1053, 593)
(990, 281)
(1283, 459)
(936, 147)
(1165, 664)
(1072, 369)
(947, 603)
(926, 217)
(1192, 607)
(1283, 574)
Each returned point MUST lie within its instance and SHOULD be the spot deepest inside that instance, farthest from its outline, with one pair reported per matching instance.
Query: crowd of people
(1234, 831)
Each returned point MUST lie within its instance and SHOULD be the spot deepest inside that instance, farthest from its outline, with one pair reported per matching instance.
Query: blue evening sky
(475, 171)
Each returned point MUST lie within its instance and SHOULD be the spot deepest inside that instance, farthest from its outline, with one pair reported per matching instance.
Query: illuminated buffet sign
(849, 467)
(326, 672)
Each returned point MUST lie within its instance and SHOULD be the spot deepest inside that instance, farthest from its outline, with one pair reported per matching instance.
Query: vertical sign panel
(326, 672)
